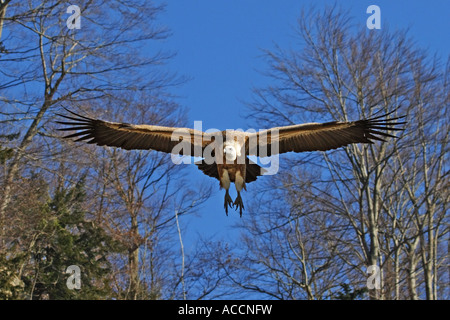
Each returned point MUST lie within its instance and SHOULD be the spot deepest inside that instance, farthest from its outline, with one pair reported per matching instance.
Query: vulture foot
(239, 204)
(228, 202)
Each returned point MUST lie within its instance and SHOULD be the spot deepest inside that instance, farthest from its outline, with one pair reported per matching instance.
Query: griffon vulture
(225, 153)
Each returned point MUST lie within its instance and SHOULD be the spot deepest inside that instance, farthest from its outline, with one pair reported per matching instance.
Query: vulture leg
(228, 201)
(238, 203)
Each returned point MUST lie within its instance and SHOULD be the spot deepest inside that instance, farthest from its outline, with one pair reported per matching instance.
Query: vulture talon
(238, 203)
(228, 202)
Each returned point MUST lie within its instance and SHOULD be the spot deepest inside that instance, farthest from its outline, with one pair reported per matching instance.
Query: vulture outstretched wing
(322, 136)
(131, 136)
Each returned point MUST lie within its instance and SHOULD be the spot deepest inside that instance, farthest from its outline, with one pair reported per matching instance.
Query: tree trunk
(133, 260)
(3, 6)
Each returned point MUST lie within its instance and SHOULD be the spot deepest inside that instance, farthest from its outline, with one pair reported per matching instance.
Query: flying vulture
(225, 153)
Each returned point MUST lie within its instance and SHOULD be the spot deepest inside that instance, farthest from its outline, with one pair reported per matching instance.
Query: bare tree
(108, 62)
(380, 205)
(422, 189)
(52, 63)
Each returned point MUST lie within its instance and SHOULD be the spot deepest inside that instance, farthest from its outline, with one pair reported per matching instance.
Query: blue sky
(218, 45)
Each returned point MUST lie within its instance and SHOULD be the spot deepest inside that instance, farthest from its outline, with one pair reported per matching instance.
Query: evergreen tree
(63, 236)
(69, 239)
(348, 293)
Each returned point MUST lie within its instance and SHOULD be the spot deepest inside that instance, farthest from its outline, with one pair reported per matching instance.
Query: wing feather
(326, 136)
(129, 136)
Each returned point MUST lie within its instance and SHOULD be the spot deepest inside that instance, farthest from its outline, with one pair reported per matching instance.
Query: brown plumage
(226, 152)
